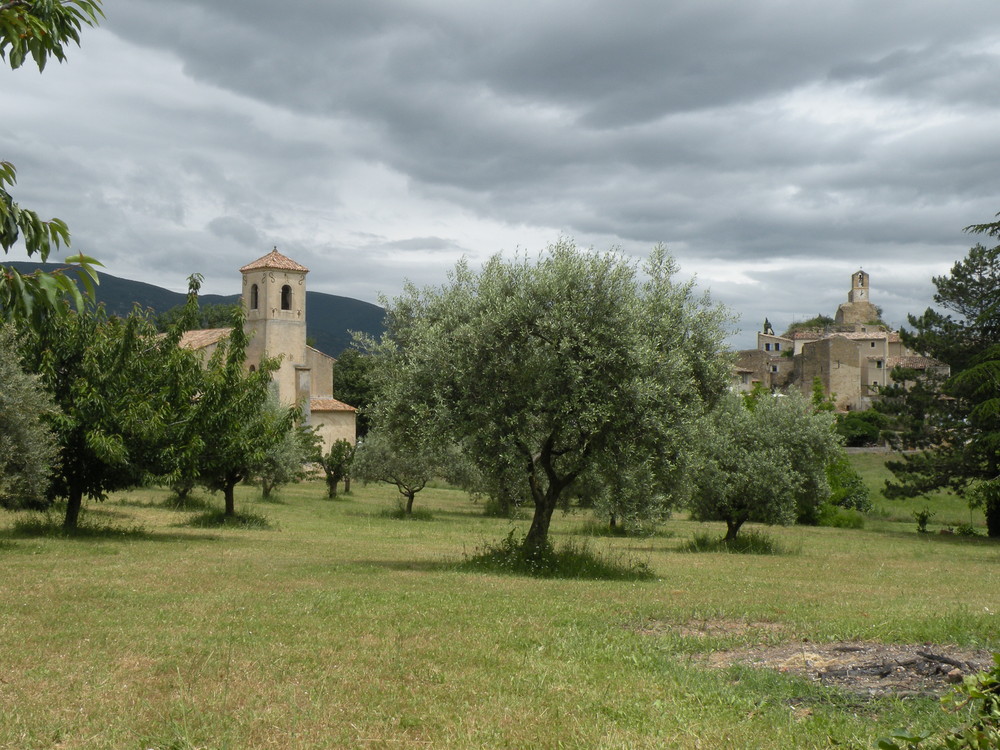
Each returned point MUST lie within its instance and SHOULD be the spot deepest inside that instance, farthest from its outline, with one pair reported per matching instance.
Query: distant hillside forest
(330, 318)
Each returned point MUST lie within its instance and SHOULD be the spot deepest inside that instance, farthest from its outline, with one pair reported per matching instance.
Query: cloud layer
(773, 146)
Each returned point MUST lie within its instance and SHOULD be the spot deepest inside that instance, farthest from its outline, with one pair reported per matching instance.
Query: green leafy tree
(336, 464)
(208, 316)
(285, 461)
(407, 463)
(353, 384)
(108, 377)
(38, 30)
(575, 363)
(231, 416)
(765, 464)
(28, 450)
(953, 421)
(862, 428)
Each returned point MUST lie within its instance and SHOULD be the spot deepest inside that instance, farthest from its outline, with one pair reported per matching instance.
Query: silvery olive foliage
(550, 369)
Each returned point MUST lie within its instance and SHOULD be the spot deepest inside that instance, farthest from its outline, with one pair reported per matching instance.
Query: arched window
(253, 297)
(253, 368)
(286, 297)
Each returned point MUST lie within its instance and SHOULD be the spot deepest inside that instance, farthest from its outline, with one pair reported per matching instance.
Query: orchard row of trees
(114, 404)
(582, 377)
(91, 403)
(578, 376)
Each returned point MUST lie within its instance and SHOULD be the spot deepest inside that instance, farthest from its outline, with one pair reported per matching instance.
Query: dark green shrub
(861, 428)
(847, 488)
(572, 560)
(922, 516)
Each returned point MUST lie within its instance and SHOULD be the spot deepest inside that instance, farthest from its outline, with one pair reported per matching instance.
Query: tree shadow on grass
(423, 566)
(49, 526)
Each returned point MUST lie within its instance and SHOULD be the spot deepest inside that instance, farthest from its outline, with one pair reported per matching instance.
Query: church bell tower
(274, 302)
(859, 288)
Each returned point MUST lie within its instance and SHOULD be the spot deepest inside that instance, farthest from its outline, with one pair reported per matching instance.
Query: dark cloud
(774, 146)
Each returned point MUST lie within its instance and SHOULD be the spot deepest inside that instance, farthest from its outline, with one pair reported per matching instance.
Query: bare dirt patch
(862, 668)
(865, 668)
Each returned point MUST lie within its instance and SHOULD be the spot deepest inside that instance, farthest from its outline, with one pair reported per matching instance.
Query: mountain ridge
(329, 317)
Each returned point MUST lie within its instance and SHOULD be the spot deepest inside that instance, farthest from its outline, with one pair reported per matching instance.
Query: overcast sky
(774, 147)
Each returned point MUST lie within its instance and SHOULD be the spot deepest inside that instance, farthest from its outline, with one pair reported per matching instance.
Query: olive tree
(763, 461)
(28, 450)
(407, 464)
(545, 370)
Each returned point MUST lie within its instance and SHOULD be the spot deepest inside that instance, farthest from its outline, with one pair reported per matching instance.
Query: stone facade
(274, 301)
(853, 358)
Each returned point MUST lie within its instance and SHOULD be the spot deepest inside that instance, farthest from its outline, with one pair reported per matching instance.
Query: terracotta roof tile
(275, 261)
(202, 338)
(329, 404)
(915, 362)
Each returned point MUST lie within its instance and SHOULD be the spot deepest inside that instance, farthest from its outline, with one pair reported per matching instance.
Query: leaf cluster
(28, 451)
(40, 29)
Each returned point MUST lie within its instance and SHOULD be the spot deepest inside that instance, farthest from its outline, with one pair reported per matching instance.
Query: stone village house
(274, 301)
(853, 358)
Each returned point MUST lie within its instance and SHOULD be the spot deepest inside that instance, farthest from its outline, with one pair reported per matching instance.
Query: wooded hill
(330, 317)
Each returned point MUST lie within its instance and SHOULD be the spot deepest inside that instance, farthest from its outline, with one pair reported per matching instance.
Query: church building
(274, 304)
(853, 358)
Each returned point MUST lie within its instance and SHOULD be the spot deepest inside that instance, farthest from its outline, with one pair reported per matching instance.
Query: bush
(861, 428)
(847, 488)
(570, 561)
(747, 543)
(922, 517)
(218, 518)
(841, 518)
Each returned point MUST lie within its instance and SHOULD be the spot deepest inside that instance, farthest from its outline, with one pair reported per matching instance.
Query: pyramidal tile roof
(274, 261)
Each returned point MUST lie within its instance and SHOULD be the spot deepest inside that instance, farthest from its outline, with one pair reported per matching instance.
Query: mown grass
(341, 627)
(949, 510)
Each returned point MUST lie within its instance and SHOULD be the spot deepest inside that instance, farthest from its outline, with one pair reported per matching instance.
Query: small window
(774, 368)
(286, 297)
(253, 368)
(873, 345)
(777, 346)
(878, 364)
(767, 347)
(253, 297)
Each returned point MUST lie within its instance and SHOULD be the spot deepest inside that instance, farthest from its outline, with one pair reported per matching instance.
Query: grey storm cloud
(774, 146)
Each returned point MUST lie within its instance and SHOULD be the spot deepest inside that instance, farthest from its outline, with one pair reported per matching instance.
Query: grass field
(341, 627)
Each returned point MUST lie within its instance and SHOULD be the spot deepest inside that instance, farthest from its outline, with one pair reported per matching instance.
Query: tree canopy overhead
(38, 30)
(577, 362)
